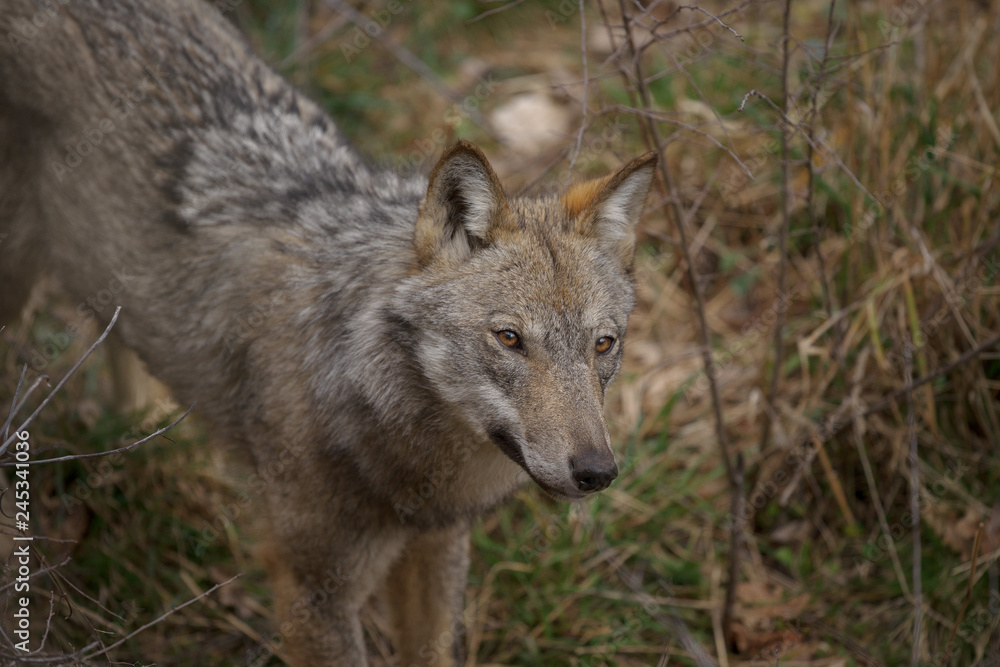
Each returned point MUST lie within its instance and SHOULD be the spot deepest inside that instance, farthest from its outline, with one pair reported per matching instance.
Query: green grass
(553, 584)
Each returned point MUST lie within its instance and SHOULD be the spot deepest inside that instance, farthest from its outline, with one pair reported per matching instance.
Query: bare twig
(497, 10)
(911, 426)
(671, 622)
(737, 507)
(661, 118)
(681, 220)
(713, 18)
(653, 139)
(303, 49)
(586, 85)
(407, 57)
(819, 221)
(972, 580)
(716, 19)
(38, 573)
(16, 409)
(94, 455)
(165, 615)
(859, 443)
(786, 215)
(5, 432)
(936, 373)
(10, 439)
(818, 144)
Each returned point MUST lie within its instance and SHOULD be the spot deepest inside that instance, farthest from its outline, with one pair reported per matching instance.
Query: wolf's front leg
(326, 552)
(424, 591)
(319, 596)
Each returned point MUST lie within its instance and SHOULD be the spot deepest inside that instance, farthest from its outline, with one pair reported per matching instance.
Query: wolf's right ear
(464, 209)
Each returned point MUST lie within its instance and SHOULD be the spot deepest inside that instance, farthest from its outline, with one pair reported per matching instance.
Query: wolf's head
(519, 309)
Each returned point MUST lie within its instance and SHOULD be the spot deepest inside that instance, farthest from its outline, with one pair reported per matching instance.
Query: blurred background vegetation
(825, 228)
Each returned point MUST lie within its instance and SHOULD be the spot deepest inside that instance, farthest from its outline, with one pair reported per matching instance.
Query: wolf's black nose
(594, 472)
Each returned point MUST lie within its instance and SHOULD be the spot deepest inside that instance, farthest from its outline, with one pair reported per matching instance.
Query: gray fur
(337, 323)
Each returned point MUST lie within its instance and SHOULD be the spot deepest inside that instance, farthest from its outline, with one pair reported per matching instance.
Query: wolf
(393, 355)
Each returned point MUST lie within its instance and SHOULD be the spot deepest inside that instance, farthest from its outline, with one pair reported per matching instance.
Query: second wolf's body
(395, 355)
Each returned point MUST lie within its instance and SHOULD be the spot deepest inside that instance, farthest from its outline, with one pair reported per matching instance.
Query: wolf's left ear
(464, 209)
(609, 208)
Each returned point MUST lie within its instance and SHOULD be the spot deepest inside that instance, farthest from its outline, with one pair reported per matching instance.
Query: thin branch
(738, 510)
(154, 622)
(9, 440)
(497, 10)
(586, 85)
(911, 426)
(672, 622)
(716, 19)
(94, 455)
(681, 220)
(877, 503)
(16, 409)
(407, 57)
(653, 137)
(13, 402)
(786, 215)
(936, 373)
(693, 83)
(684, 126)
(826, 152)
(713, 18)
(972, 580)
(304, 49)
(819, 221)
(38, 573)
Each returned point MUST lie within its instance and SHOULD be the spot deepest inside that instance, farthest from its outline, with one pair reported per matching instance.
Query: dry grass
(883, 219)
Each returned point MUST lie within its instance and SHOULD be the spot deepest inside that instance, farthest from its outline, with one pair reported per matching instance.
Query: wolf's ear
(608, 208)
(464, 209)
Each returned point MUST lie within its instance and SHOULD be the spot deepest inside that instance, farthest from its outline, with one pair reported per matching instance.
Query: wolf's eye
(508, 338)
(604, 344)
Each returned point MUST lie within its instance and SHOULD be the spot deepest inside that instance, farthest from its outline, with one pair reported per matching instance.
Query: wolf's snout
(593, 472)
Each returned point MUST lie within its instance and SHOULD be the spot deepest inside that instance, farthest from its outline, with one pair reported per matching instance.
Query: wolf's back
(71, 60)
(148, 156)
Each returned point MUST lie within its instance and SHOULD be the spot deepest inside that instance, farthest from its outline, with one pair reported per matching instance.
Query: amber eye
(508, 338)
(604, 344)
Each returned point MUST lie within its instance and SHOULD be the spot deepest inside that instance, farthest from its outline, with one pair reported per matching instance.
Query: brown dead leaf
(759, 605)
(956, 533)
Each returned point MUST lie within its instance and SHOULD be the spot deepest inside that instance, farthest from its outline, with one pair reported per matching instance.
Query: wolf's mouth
(510, 446)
